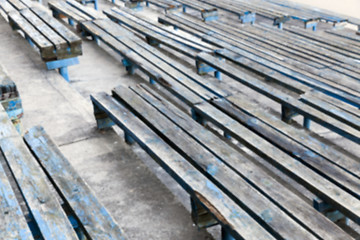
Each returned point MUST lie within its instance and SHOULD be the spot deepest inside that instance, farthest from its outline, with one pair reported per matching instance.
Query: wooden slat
(17, 4)
(12, 221)
(68, 11)
(91, 213)
(59, 43)
(6, 6)
(94, 14)
(73, 41)
(46, 47)
(196, 184)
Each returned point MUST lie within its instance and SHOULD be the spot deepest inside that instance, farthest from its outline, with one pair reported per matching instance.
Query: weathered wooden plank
(17, 4)
(307, 157)
(282, 98)
(68, 11)
(324, 149)
(333, 194)
(46, 48)
(86, 10)
(12, 221)
(134, 21)
(158, 37)
(244, 165)
(73, 41)
(197, 185)
(6, 6)
(59, 43)
(92, 214)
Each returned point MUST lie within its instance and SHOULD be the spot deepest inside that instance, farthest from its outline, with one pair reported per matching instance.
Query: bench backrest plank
(95, 218)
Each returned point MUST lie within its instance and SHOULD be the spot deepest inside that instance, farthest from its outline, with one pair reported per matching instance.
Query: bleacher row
(257, 174)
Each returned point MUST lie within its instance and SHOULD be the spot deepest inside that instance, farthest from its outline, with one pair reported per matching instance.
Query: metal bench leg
(113, 1)
(64, 72)
(225, 235)
(76, 226)
(152, 81)
(197, 117)
(147, 4)
(201, 217)
(184, 9)
(96, 6)
(287, 114)
(152, 41)
(218, 75)
(331, 213)
(29, 40)
(71, 22)
(227, 135)
(307, 122)
(280, 25)
(62, 66)
(102, 119)
(128, 139)
(130, 67)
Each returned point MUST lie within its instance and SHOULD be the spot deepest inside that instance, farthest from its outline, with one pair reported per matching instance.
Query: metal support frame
(203, 68)
(95, 2)
(210, 15)
(102, 119)
(197, 117)
(130, 67)
(328, 210)
(311, 24)
(62, 65)
(225, 235)
(152, 81)
(306, 123)
(248, 17)
(71, 22)
(201, 217)
(287, 113)
(151, 41)
(227, 135)
(128, 139)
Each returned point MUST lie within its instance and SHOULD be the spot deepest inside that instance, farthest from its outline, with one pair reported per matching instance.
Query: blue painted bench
(41, 195)
(182, 146)
(10, 99)
(167, 5)
(59, 47)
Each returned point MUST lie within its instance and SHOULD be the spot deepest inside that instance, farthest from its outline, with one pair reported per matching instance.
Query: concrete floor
(145, 201)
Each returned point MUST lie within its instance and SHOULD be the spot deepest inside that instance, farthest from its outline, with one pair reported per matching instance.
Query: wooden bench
(160, 68)
(10, 99)
(156, 35)
(58, 46)
(41, 195)
(167, 5)
(74, 12)
(181, 146)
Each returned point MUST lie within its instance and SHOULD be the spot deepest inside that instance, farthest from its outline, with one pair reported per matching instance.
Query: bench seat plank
(68, 11)
(73, 41)
(245, 167)
(95, 218)
(59, 43)
(46, 48)
(13, 224)
(196, 184)
(6, 6)
(92, 13)
(17, 4)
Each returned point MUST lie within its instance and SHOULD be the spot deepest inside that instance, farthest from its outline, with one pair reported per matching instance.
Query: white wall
(347, 7)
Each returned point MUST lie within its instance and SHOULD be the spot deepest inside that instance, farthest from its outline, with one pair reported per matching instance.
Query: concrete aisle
(127, 182)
